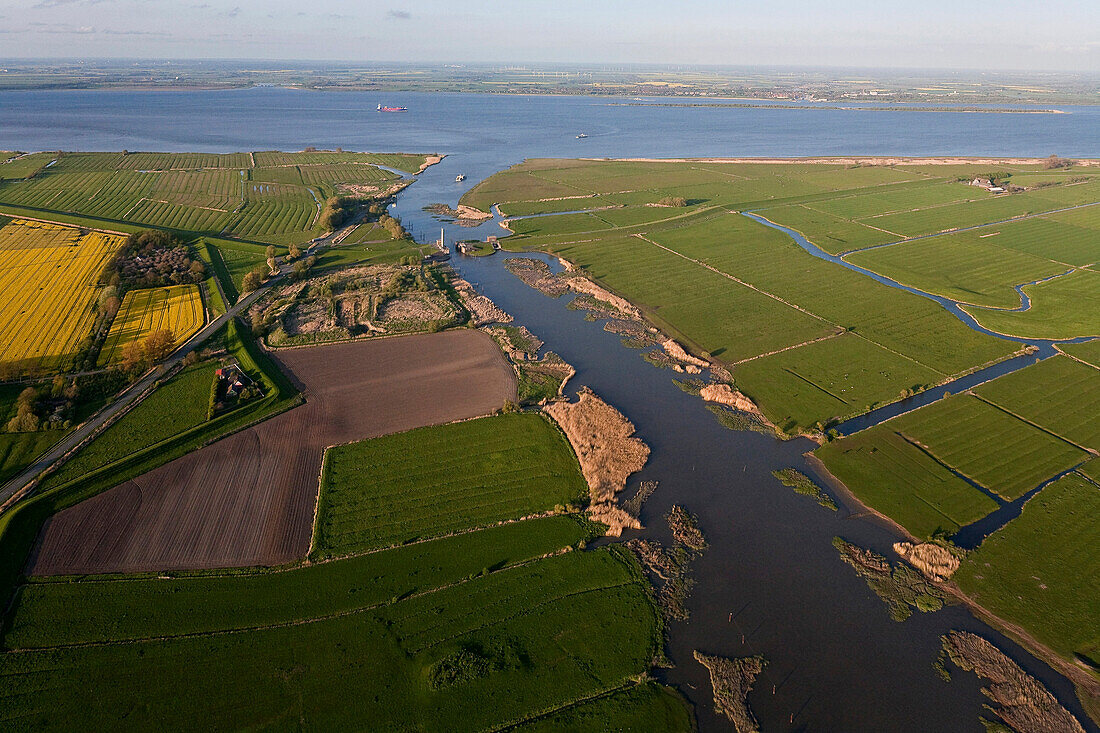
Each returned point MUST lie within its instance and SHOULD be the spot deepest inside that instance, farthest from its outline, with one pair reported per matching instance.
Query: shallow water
(771, 582)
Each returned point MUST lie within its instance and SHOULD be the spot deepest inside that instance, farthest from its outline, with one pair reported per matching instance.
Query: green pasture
(827, 381)
(637, 709)
(516, 643)
(58, 612)
(14, 168)
(985, 209)
(1051, 238)
(694, 302)
(988, 445)
(1087, 351)
(961, 267)
(1065, 307)
(1042, 570)
(1059, 395)
(832, 233)
(898, 479)
(433, 481)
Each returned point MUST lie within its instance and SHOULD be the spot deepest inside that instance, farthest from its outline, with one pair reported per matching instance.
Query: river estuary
(771, 582)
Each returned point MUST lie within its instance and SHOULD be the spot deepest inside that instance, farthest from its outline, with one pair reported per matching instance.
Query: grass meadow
(1059, 395)
(496, 625)
(1042, 570)
(432, 481)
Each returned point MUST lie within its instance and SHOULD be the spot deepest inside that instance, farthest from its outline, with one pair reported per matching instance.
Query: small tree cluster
(337, 211)
(153, 258)
(140, 355)
(302, 267)
(26, 418)
(1054, 162)
(57, 403)
(392, 226)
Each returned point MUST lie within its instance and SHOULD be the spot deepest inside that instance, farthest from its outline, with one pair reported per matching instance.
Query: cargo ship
(392, 109)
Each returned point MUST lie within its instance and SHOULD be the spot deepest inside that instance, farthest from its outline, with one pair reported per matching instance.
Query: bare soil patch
(249, 499)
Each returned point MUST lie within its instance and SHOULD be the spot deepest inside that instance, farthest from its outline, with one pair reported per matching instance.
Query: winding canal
(771, 582)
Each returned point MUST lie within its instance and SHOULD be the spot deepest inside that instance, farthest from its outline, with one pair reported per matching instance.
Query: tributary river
(771, 582)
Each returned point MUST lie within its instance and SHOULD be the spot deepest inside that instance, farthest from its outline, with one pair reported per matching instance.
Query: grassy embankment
(405, 637)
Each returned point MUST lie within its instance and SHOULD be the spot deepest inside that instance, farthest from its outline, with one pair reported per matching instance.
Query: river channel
(770, 582)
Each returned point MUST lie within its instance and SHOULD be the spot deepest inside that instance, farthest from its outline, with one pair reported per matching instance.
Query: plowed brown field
(248, 499)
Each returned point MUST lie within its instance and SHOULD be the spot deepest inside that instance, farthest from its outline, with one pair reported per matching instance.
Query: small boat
(392, 109)
(582, 136)
(460, 178)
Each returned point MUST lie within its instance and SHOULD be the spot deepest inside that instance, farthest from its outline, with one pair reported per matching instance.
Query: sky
(1030, 35)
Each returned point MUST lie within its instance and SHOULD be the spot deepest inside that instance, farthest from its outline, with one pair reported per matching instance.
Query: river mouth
(770, 582)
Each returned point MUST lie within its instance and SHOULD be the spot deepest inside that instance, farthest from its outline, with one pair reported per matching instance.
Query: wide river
(771, 582)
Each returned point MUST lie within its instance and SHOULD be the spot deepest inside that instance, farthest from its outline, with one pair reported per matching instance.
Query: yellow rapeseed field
(177, 308)
(48, 286)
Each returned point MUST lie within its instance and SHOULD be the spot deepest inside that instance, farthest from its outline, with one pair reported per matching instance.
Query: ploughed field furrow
(248, 499)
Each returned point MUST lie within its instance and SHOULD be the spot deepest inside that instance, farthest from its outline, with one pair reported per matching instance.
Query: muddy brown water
(249, 499)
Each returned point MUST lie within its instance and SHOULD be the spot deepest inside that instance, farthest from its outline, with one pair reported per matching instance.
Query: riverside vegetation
(751, 301)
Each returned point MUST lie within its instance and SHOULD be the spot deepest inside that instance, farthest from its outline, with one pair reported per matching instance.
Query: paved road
(136, 391)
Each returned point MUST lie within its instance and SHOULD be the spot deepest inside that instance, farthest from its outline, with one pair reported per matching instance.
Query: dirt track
(249, 499)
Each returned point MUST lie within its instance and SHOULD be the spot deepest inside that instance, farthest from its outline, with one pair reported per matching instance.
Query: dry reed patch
(935, 561)
(685, 529)
(1022, 702)
(604, 442)
(482, 309)
(732, 680)
(678, 352)
(723, 394)
(586, 286)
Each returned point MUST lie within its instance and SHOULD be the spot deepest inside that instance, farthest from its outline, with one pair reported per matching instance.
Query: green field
(184, 397)
(734, 290)
(959, 268)
(507, 624)
(1042, 570)
(1066, 307)
(527, 648)
(1088, 351)
(433, 481)
(642, 708)
(145, 607)
(827, 381)
(896, 478)
(1059, 395)
(269, 197)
